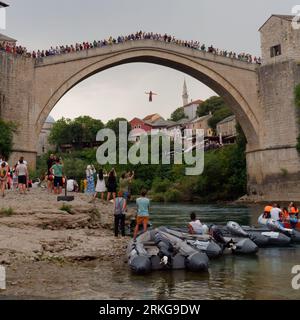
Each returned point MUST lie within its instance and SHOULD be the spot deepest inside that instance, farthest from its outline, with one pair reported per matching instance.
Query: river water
(265, 276)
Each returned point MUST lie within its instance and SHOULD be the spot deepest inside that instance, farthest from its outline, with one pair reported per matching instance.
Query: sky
(120, 91)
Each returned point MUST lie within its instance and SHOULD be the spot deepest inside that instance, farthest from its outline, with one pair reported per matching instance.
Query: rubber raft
(173, 249)
(276, 226)
(158, 250)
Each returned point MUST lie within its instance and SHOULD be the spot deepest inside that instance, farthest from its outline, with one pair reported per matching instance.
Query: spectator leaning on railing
(65, 49)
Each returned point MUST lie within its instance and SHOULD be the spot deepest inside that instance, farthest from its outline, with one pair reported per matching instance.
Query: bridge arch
(235, 81)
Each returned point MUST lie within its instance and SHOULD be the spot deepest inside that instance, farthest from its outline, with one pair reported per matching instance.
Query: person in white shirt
(276, 212)
(22, 173)
(195, 226)
(72, 185)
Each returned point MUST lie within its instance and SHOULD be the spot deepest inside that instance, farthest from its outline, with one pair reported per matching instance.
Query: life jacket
(285, 214)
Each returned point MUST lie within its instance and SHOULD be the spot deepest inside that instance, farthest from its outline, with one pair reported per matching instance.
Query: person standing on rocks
(22, 173)
(90, 171)
(143, 209)
(50, 163)
(112, 184)
(57, 171)
(125, 181)
(3, 177)
(101, 186)
(120, 208)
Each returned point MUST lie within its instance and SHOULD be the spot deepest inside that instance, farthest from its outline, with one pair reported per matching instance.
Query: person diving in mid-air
(151, 94)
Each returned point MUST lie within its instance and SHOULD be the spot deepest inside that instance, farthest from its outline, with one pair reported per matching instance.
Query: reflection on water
(265, 276)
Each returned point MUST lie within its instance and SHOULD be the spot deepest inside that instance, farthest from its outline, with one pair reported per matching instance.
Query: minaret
(185, 95)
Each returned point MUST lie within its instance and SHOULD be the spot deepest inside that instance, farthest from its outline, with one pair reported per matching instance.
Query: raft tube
(261, 237)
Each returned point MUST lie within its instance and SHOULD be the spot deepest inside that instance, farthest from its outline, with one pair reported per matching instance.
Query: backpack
(119, 206)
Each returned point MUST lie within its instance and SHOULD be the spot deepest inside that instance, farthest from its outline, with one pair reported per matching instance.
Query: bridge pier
(274, 174)
(29, 156)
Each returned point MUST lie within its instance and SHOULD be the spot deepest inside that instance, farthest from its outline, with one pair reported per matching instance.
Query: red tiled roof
(150, 116)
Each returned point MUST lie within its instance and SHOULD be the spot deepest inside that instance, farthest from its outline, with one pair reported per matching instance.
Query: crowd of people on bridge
(64, 49)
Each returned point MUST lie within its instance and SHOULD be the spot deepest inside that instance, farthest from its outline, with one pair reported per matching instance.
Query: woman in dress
(90, 188)
(100, 187)
(112, 185)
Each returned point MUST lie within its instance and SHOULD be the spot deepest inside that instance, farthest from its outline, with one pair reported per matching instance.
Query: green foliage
(218, 108)
(7, 212)
(114, 125)
(188, 187)
(158, 197)
(297, 103)
(218, 116)
(210, 105)
(160, 186)
(75, 168)
(78, 132)
(224, 176)
(136, 186)
(178, 114)
(67, 208)
(7, 130)
(173, 195)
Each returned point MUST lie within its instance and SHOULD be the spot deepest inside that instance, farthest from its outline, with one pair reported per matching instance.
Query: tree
(60, 132)
(78, 132)
(218, 116)
(178, 114)
(7, 130)
(210, 105)
(89, 128)
(114, 125)
(217, 107)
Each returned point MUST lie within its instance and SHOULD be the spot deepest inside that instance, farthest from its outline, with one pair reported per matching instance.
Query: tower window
(275, 51)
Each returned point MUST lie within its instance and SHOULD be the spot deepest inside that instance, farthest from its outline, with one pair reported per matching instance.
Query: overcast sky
(232, 24)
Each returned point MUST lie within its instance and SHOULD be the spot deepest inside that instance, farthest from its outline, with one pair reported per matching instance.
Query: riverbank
(39, 235)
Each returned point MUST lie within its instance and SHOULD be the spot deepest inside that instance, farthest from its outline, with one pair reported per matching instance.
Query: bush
(173, 195)
(7, 130)
(75, 168)
(67, 208)
(160, 186)
(188, 187)
(158, 197)
(6, 212)
(136, 186)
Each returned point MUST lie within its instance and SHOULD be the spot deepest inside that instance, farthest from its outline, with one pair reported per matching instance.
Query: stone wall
(279, 31)
(17, 103)
(274, 170)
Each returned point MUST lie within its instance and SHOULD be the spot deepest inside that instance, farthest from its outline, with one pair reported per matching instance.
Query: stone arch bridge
(30, 89)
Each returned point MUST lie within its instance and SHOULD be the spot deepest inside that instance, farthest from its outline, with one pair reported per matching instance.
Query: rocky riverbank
(39, 233)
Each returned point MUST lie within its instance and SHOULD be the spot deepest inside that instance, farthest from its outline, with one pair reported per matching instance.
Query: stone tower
(185, 95)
